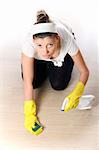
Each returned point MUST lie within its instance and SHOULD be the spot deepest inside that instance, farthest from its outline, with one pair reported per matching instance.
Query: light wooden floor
(75, 130)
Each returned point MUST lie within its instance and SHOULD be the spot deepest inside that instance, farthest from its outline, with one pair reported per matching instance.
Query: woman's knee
(56, 85)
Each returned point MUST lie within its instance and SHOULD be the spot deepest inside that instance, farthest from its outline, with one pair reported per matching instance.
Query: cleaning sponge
(31, 121)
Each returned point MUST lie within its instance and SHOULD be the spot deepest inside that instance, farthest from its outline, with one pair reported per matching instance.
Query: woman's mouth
(46, 56)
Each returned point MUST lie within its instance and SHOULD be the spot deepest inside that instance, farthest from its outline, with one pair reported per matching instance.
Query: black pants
(59, 77)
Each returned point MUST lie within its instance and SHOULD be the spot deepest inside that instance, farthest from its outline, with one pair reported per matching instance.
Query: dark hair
(43, 35)
(42, 17)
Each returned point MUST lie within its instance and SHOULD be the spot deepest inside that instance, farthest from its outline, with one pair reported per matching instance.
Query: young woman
(50, 50)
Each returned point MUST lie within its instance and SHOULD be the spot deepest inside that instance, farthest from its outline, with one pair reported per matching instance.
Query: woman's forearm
(82, 67)
(84, 77)
(28, 73)
(29, 92)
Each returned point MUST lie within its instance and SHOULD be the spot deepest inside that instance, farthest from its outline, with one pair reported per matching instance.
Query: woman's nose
(45, 50)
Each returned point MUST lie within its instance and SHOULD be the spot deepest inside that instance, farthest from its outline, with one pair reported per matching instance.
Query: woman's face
(46, 47)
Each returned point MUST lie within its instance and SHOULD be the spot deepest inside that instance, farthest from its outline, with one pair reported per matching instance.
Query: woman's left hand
(73, 97)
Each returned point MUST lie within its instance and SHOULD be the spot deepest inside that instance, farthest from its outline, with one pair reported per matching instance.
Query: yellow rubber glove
(31, 122)
(73, 97)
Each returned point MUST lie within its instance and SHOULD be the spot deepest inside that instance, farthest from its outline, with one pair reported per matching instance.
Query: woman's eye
(50, 45)
(39, 45)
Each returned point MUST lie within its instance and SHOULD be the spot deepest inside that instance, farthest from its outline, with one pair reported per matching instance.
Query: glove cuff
(79, 89)
(29, 107)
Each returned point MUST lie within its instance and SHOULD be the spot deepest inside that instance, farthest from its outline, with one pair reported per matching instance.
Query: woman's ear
(33, 39)
(57, 37)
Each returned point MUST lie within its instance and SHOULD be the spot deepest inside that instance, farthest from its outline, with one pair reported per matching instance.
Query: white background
(16, 17)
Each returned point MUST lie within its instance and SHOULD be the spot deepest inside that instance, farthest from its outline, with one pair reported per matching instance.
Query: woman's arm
(79, 62)
(74, 96)
(28, 74)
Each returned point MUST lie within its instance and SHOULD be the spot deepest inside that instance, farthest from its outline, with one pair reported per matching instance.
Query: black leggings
(59, 77)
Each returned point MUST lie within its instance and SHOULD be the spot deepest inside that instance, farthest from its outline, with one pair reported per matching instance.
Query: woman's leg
(40, 73)
(60, 76)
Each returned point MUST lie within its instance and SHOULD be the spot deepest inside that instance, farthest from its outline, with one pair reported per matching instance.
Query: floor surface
(75, 130)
